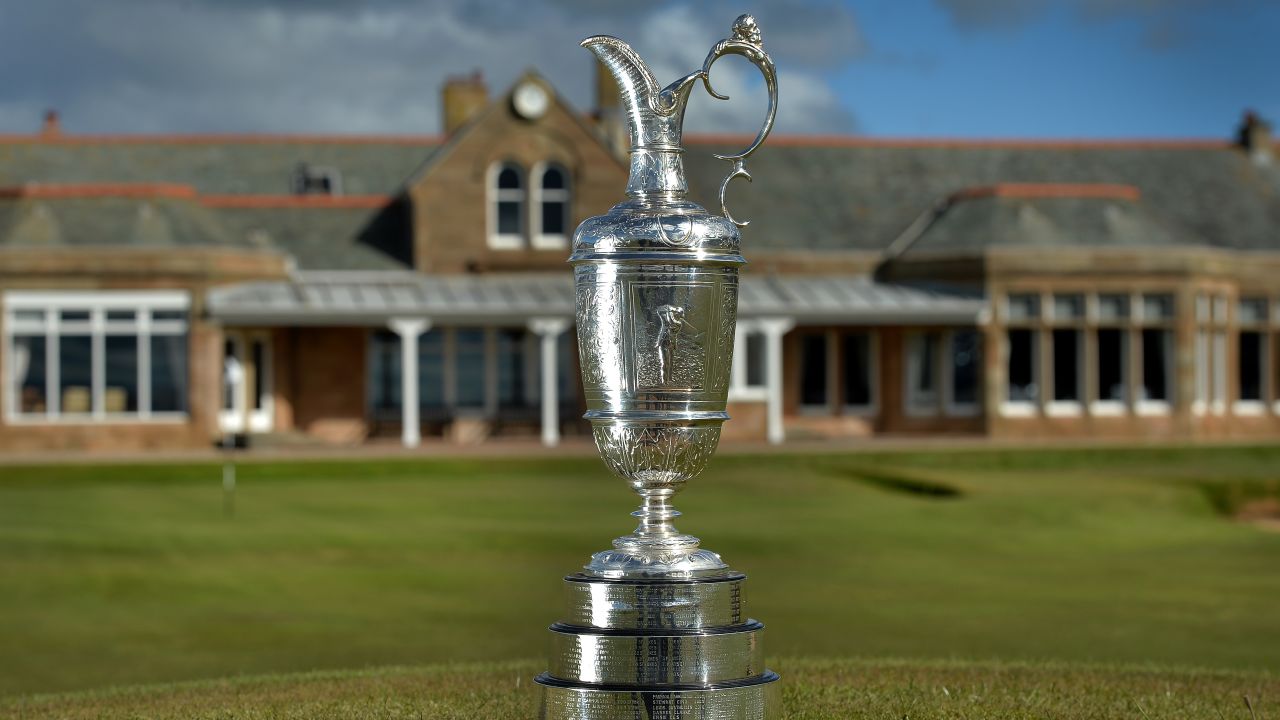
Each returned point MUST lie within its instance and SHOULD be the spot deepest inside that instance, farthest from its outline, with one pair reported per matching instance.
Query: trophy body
(653, 628)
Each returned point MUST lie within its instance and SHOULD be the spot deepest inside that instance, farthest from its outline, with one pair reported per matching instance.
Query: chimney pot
(51, 124)
(1255, 137)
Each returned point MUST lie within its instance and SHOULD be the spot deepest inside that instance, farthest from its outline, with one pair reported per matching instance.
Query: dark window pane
(162, 315)
(121, 394)
(385, 381)
(75, 315)
(964, 367)
(553, 222)
(567, 375)
(926, 347)
(431, 370)
(1250, 366)
(168, 373)
(29, 368)
(755, 360)
(258, 352)
(813, 370)
(75, 373)
(1156, 308)
(1066, 364)
(470, 364)
(1111, 364)
(508, 217)
(553, 179)
(118, 315)
(509, 179)
(1155, 360)
(511, 368)
(1022, 366)
(857, 369)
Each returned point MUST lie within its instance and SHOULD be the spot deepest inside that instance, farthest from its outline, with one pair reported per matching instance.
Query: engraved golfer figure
(671, 327)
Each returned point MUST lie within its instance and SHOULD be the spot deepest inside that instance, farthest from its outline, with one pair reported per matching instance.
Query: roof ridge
(264, 200)
(92, 190)
(217, 138)
(776, 139)
(943, 142)
(1111, 191)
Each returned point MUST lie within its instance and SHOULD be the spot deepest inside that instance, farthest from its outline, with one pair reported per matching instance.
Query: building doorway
(247, 400)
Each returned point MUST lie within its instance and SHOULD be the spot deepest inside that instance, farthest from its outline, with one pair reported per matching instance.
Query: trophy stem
(656, 515)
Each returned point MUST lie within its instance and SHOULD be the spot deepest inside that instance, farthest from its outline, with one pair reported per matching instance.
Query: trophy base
(757, 699)
(657, 649)
(637, 562)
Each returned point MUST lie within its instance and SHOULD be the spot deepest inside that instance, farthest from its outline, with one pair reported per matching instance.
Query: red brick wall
(327, 391)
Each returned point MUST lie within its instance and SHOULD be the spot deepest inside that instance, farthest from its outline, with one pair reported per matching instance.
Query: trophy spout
(655, 117)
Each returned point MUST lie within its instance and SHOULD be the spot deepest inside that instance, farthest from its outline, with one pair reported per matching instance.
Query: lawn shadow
(897, 482)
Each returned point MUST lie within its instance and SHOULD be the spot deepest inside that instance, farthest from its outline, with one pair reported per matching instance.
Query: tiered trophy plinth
(654, 629)
(660, 649)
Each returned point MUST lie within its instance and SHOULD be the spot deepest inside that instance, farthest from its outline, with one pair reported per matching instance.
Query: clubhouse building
(173, 291)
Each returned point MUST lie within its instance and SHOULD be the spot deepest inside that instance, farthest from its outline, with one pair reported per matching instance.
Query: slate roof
(374, 297)
(322, 238)
(849, 194)
(214, 164)
(1039, 215)
(156, 221)
(816, 194)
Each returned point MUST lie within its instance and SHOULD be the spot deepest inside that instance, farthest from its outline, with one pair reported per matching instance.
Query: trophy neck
(657, 174)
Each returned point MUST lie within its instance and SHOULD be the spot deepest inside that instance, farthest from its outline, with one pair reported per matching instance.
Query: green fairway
(115, 574)
(825, 690)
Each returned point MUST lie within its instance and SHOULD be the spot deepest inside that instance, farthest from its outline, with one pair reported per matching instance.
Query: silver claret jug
(654, 626)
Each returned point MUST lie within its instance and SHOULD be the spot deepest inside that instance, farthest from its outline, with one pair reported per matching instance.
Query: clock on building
(530, 100)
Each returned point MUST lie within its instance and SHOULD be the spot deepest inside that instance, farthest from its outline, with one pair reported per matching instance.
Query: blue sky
(913, 68)
(1142, 69)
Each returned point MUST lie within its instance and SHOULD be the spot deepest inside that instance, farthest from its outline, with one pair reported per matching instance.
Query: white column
(774, 329)
(549, 330)
(409, 330)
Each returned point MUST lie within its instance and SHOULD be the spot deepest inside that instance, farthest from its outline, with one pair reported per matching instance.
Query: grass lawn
(830, 690)
(132, 574)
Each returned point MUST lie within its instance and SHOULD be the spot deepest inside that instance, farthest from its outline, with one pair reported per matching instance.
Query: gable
(450, 194)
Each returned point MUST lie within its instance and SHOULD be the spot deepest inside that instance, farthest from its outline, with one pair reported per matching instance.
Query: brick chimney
(608, 114)
(464, 96)
(1254, 136)
(51, 127)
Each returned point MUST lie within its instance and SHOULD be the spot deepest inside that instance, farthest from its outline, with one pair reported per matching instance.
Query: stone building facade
(176, 291)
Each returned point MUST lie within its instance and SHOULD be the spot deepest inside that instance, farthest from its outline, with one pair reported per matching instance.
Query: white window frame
(1053, 406)
(539, 195)
(872, 406)
(144, 303)
(915, 404)
(739, 390)
(1143, 406)
(1035, 324)
(1123, 325)
(1203, 391)
(1260, 326)
(495, 195)
(950, 406)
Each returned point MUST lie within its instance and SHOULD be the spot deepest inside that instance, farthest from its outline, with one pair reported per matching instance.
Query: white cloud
(333, 66)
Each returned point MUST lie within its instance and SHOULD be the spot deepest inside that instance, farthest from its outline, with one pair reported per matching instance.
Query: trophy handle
(746, 41)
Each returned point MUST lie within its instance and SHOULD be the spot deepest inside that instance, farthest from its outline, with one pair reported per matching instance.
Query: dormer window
(316, 180)
(553, 208)
(506, 206)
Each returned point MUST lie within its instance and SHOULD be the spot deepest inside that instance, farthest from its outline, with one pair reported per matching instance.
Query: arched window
(553, 208)
(506, 206)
